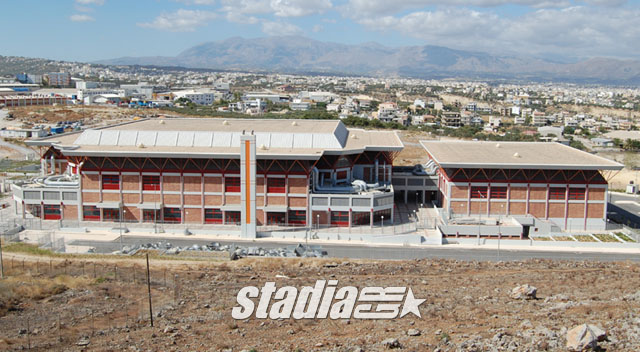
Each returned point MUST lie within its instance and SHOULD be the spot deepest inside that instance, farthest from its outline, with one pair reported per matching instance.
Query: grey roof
(206, 137)
(515, 155)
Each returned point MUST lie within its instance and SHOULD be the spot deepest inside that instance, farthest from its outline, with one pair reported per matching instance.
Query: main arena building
(188, 171)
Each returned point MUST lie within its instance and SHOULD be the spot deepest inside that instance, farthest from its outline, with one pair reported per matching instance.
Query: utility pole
(149, 291)
(1, 263)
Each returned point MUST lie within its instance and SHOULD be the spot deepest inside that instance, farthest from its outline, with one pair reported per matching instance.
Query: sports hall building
(546, 182)
(308, 172)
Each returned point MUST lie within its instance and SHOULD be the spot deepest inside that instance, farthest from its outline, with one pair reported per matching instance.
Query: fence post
(149, 290)
(115, 272)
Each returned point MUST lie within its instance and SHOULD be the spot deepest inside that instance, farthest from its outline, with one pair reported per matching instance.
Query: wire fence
(113, 295)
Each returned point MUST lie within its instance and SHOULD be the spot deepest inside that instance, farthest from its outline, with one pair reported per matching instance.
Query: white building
(200, 98)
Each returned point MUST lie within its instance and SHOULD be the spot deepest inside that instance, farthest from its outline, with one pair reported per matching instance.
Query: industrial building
(307, 173)
(542, 186)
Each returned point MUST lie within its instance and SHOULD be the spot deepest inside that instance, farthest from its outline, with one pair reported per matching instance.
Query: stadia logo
(325, 300)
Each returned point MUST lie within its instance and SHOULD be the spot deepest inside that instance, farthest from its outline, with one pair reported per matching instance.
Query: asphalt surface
(373, 252)
(625, 209)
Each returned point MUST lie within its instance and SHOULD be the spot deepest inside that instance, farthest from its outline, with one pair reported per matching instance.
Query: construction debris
(235, 252)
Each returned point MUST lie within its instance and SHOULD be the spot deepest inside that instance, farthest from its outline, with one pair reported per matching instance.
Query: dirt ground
(88, 304)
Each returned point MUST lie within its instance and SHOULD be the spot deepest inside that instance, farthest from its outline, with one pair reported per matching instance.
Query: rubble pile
(235, 251)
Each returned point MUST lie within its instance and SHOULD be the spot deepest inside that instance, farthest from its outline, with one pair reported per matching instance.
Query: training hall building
(549, 182)
(187, 171)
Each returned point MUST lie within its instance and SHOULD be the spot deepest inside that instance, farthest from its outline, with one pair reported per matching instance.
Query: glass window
(340, 218)
(172, 215)
(232, 184)
(557, 193)
(150, 183)
(232, 217)
(275, 218)
(298, 217)
(213, 216)
(576, 193)
(111, 214)
(90, 213)
(52, 212)
(275, 185)
(499, 192)
(110, 182)
(479, 192)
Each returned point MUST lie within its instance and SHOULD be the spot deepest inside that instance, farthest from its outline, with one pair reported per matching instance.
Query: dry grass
(584, 238)
(605, 237)
(15, 289)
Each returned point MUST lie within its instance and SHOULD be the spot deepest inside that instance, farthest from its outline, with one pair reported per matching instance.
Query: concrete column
(586, 206)
(248, 185)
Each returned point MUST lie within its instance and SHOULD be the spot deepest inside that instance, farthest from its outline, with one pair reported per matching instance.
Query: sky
(88, 30)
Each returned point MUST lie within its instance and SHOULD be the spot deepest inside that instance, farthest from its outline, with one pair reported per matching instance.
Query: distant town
(584, 117)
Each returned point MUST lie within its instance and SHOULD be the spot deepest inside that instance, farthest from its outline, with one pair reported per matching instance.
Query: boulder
(391, 343)
(524, 292)
(584, 337)
(413, 332)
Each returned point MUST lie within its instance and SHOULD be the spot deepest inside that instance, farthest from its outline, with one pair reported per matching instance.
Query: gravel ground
(468, 306)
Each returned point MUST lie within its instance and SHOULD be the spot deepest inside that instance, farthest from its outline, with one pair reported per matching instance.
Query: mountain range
(295, 54)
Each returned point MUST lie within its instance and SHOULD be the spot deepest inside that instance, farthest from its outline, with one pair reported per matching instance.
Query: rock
(331, 265)
(585, 336)
(524, 292)
(83, 342)
(413, 332)
(391, 343)
(169, 329)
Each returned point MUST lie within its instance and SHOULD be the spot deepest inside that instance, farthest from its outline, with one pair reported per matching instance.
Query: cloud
(299, 8)
(197, 2)
(280, 28)
(317, 28)
(280, 8)
(181, 20)
(81, 18)
(579, 31)
(91, 2)
(355, 8)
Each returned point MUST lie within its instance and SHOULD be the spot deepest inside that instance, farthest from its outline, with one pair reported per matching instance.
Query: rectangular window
(341, 175)
(361, 218)
(111, 214)
(172, 215)
(576, 193)
(479, 192)
(232, 217)
(150, 215)
(232, 184)
(276, 185)
(297, 217)
(213, 216)
(52, 212)
(150, 183)
(499, 192)
(110, 182)
(557, 193)
(275, 218)
(340, 218)
(90, 213)
(377, 216)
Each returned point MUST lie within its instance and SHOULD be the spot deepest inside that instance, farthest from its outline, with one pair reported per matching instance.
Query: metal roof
(514, 155)
(214, 137)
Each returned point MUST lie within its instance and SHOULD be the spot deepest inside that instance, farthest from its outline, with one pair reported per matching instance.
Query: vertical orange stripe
(247, 175)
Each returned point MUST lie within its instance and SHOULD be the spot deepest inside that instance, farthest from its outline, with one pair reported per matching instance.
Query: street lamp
(121, 212)
(382, 224)
(317, 222)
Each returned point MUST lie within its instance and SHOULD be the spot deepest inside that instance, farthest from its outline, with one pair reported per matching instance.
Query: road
(373, 252)
(5, 123)
(624, 209)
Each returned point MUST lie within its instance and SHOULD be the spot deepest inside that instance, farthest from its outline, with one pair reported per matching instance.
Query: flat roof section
(514, 155)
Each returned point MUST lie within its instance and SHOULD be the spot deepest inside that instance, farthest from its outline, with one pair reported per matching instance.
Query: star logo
(411, 305)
